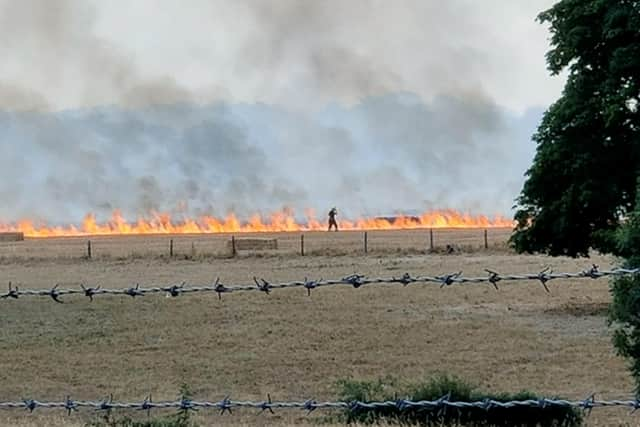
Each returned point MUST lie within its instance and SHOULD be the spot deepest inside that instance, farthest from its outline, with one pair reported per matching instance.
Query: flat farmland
(219, 245)
(291, 345)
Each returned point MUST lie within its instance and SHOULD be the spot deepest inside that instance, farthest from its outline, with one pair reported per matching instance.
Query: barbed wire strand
(354, 280)
(227, 405)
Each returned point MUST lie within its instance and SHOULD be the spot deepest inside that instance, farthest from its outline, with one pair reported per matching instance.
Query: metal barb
(488, 404)
(311, 284)
(266, 405)
(187, 404)
(448, 279)
(588, 404)
(354, 405)
(544, 277)
(405, 279)
(542, 403)
(225, 405)
(13, 293)
(592, 272)
(310, 406)
(70, 405)
(30, 405)
(355, 280)
(90, 292)
(134, 292)
(263, 285)
(54, 294)
(220, 288)
(442, 404)
(146, 405)
(175, 290)
(494, 278)
(106, 405)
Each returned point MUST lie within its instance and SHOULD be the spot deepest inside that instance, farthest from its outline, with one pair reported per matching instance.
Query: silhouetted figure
(332, 219)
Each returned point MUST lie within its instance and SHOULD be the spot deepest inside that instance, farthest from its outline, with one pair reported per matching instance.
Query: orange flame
(277, 222)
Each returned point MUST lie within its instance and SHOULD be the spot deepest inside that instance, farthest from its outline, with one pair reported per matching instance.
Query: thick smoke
(341, 124)
(387, 154)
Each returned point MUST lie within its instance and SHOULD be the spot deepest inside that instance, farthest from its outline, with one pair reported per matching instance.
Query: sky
(207, 107)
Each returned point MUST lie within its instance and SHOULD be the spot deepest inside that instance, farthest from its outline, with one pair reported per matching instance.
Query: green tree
(582, 181)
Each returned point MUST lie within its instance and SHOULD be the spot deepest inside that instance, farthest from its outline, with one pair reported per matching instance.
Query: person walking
(332, 219)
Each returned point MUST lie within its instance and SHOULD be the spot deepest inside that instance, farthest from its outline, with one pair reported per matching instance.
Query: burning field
(167, 175)
(276, 222)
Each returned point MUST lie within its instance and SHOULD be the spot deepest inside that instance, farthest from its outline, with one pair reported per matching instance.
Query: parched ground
(288, 344)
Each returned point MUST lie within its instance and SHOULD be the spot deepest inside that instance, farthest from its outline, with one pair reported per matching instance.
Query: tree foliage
(624, 312)
(582, 181)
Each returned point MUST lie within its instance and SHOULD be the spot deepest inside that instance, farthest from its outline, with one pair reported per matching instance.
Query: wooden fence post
(366, 248)
(431, 239)
(486, 241)
(302, 244)
(88, 249)
(233, 246)
(171, 248)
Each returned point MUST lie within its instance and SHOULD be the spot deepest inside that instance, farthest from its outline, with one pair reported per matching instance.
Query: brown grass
(291, 345)
(217, 245)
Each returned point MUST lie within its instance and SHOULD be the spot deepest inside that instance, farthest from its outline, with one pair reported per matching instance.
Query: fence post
(431, 239)
(366, 248)
(233, 245)
(171, 248)
(486, 241)
(88, 249)
(302, 244)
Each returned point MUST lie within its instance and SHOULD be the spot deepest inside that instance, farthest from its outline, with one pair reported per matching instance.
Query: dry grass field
(291, 345)
(217, 246)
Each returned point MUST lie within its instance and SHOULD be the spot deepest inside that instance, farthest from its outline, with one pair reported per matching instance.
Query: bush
(624, 312)
(455, 390)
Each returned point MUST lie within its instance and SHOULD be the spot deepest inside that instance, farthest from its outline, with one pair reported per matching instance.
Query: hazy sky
(397, 98)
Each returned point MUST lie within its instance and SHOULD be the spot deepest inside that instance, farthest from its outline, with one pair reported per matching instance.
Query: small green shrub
(455, 390)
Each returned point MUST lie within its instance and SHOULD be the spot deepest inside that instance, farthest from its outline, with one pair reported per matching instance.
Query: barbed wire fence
(228, 405)
(354, 280)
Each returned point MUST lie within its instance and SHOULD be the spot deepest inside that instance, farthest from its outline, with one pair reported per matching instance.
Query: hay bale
(11, 236)
(254, 244)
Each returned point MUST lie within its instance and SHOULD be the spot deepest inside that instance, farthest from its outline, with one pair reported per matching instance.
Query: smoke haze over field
(373, 106)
